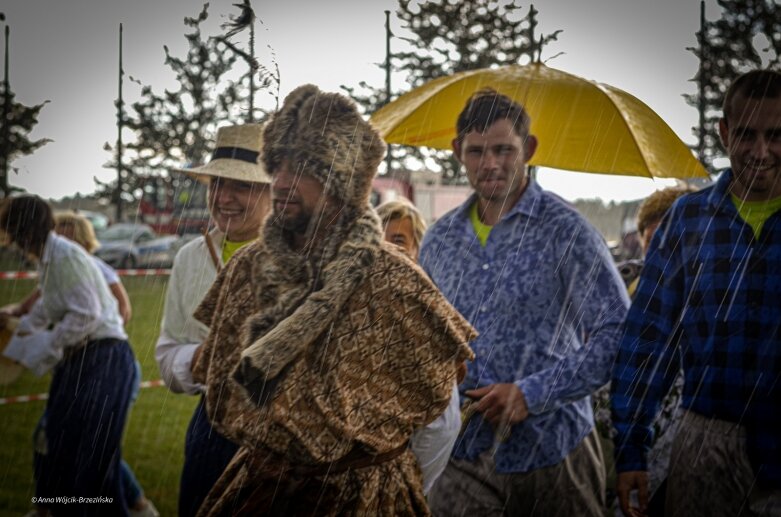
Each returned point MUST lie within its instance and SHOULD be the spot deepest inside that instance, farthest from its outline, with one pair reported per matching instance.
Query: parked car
(128, 246)
(99, 221)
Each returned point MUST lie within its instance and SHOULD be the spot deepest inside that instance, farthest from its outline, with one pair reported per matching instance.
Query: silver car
(130, 246)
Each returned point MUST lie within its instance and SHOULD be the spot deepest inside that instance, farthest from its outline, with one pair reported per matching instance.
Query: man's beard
(296, 224)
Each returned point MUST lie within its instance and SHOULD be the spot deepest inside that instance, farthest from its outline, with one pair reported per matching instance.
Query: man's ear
(529, 147)
(456, 144)
(724, 133)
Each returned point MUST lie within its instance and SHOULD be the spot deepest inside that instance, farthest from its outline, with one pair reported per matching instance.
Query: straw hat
(9, 370)
(236, 156)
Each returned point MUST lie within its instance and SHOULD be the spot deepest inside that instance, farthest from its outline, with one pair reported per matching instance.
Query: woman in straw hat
(238, 202)
(75, 330)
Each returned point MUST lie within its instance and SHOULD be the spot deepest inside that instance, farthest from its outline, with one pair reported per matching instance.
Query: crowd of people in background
(352, 361)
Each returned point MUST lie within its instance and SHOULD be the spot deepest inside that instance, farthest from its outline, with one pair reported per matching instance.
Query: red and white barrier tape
(12, 275)
(23, 398)
(143, 272)
(43, 396)
(18, 274)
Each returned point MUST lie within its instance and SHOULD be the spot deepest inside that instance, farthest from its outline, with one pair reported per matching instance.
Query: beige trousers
(710, 474)
(573, 487)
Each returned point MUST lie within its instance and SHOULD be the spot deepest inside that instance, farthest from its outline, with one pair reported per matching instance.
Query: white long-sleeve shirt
(75, 300)
(192, 275)
(433, 444)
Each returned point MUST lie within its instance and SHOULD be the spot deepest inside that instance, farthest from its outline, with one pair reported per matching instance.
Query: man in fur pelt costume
(327, 346)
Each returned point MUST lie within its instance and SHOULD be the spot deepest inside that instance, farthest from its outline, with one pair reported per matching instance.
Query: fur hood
(324, 134)
(304, 291)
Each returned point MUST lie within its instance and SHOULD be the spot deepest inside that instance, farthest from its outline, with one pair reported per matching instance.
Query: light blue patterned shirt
(549, 305)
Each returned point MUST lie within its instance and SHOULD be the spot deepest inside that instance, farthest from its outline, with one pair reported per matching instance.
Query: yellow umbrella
(581, 125)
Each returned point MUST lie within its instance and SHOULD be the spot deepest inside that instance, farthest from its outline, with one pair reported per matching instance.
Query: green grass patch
(154, 437)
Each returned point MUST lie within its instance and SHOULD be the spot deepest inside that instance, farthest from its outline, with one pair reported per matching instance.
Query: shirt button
(483, 309)
(485, 267)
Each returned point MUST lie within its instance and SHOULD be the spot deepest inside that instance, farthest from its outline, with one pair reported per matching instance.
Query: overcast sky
(66, 51)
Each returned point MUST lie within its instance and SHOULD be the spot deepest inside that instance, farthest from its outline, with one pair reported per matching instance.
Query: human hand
(625, 483)
(7, 312)
(4, 317)
(500, 404)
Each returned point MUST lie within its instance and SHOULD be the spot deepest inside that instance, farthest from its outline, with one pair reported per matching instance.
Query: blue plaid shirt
(543, 283)
(709, 299)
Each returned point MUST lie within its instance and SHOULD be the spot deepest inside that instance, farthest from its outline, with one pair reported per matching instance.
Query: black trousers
(86, 414)
(206, 454)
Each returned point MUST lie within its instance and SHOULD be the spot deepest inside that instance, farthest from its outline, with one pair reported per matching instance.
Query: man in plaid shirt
(709, 300)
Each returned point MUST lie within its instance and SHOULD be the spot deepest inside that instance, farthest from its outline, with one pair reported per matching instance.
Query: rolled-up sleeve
(71, 303)
(175, 362)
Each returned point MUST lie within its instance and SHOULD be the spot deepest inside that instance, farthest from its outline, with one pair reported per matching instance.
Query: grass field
(154, 436)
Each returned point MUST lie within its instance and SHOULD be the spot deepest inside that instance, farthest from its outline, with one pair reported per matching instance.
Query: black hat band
(236, 153)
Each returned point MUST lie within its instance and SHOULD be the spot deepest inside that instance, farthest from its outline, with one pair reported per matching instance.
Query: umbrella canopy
(581, 125)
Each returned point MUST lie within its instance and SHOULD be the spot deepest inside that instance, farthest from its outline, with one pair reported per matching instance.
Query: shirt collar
(721, 187)
(719, 196)
(528, 204)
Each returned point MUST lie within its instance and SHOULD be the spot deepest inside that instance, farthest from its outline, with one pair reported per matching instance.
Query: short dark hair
(756, 84)
(487, 106)
(27, 221)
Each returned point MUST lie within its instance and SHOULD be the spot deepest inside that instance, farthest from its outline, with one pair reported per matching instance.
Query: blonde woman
(77, 228)
(403, 225)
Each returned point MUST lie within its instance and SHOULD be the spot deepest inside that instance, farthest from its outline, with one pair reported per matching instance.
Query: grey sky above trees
(67, 52)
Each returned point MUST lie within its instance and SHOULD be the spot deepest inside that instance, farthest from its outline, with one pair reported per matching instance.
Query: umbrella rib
(609, 94)
(447, 81)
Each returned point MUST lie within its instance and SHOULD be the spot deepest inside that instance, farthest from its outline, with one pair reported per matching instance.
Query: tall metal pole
(533, 55)
(388, 35)
(118, 192)
(535, 51)
(252, 69)
(6, 116)
(701, 87)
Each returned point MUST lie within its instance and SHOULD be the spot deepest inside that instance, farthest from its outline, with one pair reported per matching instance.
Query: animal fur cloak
(321, 365)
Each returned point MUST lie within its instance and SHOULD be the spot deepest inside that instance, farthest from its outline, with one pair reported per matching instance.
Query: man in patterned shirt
(709, 299)
(539, 285)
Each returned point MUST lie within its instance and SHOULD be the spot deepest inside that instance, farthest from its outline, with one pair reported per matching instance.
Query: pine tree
(21, 120)
(177, 127)
(746, 36)
(449, 37)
